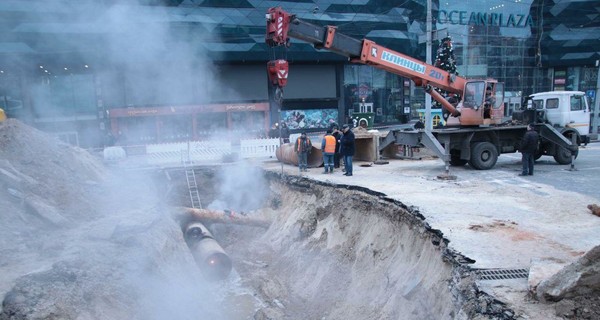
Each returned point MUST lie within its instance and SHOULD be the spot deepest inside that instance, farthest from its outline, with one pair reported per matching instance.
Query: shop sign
(485, 19)
(137, 112)
(240, 107)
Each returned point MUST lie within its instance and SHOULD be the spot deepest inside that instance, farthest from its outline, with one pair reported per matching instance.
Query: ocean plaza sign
(485, 19)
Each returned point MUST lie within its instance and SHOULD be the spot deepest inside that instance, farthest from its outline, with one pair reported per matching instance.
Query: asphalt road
(585, 179)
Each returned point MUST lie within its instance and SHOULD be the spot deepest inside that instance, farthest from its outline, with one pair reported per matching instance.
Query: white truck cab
(567, 110)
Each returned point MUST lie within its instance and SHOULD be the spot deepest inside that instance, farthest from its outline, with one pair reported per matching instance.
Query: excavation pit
(339, 252)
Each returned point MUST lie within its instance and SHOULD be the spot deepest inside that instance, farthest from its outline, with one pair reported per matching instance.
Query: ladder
(193, 187)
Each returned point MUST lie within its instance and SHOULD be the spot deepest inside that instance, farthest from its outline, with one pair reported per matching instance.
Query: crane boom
(281, 26)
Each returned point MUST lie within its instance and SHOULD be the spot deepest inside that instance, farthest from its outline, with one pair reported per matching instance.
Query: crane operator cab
(482, 103)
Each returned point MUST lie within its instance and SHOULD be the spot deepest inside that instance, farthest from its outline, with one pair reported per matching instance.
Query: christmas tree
(445, 60)
(445, 56)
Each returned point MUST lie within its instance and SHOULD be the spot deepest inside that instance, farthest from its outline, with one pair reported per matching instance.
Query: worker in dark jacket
(285, 133)
(274, 132)
(348, 147)
(529, 145)
(337, 134)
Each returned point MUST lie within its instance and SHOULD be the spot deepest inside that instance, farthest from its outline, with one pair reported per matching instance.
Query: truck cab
(567, 110)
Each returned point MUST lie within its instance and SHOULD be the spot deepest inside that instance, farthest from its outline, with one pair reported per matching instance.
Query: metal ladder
(193, 187)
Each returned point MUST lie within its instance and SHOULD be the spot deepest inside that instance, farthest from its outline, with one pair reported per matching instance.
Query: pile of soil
(46, 186)
(77, 241)
(38, 171)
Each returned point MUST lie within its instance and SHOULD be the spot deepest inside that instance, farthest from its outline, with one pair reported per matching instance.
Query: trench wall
(350, 255)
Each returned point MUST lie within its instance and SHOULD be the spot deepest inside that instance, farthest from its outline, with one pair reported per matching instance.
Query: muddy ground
(79, 240)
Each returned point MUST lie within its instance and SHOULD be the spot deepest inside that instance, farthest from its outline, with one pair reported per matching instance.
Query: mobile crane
(475, 132)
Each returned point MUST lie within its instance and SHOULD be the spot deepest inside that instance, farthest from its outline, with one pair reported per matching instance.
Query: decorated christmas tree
(445, 56)
(445, 60)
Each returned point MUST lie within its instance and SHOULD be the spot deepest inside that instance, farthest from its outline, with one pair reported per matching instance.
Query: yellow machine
(2, 115)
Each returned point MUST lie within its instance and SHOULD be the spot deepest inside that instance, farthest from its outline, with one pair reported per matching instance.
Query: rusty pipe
(210, 257)
(287, 154)
(220, 216)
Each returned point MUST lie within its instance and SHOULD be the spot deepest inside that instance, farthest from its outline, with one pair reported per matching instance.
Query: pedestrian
(328, 148)
(109, 140)
(347, 148)
(274, 131)
(121, 139)
(337, 134)
(303, 147)
(285, 133)
(529, 145)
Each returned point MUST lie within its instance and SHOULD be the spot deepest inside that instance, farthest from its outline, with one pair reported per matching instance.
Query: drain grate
(501, 274)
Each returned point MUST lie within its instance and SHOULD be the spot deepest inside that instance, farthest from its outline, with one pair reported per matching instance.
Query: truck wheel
(456, 161)
(483, 156)
(563, 156)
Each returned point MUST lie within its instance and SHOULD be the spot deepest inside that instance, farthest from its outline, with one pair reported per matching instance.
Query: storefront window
(64, 95)
(211, 123)
(137, 130)
(176, 128)
(248, 123)
(372, 93)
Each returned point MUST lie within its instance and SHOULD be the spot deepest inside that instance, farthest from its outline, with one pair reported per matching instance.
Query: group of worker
(336, 144)
(341, 143)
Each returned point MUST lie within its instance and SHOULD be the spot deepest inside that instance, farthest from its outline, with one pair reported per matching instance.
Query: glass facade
(491, 39)
(170, 52)
(371, 90)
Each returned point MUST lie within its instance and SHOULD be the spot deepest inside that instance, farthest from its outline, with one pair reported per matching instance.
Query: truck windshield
(474, 94)
(577, 103)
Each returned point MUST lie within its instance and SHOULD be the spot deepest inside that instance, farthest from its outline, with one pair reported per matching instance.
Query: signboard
(591, 94)
(485, 19)
(309, 119)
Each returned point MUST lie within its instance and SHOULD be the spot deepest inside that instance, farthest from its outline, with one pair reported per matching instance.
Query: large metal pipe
(218, 216)
(287, 154)
(210, 257)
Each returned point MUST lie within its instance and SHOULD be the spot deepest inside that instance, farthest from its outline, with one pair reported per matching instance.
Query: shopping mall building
(171, 70)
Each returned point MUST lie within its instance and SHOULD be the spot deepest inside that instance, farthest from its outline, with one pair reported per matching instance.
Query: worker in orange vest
(303, 147)
(328, 148)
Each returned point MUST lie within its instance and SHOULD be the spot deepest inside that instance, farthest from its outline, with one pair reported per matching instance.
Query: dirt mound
(41, 173)
(78, 241)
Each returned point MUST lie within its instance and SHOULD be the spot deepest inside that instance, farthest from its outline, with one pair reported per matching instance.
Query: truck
(475, 131)
(566, 111)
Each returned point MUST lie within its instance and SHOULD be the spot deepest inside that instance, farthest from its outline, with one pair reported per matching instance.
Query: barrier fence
(193, 151)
